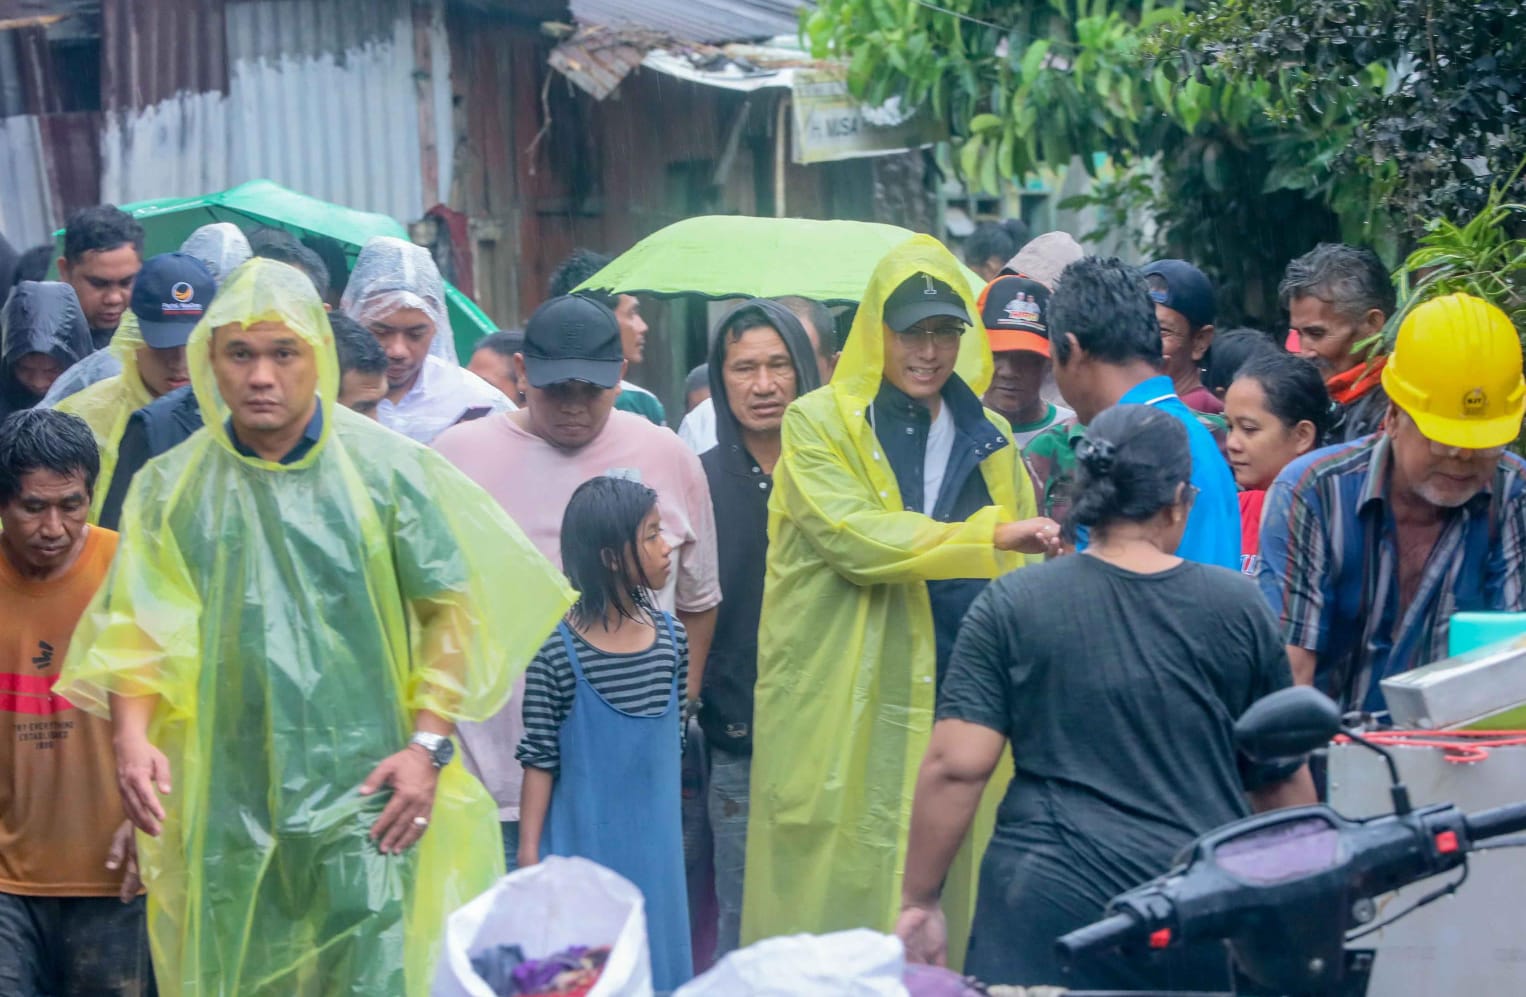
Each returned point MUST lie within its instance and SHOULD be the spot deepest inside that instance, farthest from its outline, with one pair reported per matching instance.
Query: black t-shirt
(1118, 692)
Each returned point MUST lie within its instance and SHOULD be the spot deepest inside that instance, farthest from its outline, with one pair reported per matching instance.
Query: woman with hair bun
(1278, 410)
(1117, 676)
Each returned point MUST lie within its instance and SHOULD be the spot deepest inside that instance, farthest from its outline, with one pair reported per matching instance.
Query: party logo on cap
(1475, 401)
(1023, 310)
(182, 303)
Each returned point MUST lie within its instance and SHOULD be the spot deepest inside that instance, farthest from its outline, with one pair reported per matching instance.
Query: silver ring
(421, 821)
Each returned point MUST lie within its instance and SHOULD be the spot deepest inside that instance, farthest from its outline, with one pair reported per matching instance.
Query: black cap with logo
(573, 338)
(923, 296)
(169, 297)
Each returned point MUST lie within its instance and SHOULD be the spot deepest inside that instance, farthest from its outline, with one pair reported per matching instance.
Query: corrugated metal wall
(26, 200)
(321, 96)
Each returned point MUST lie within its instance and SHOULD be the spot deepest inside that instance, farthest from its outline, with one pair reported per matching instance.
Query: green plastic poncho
(107, 405)
(291, 619)
(846, 657)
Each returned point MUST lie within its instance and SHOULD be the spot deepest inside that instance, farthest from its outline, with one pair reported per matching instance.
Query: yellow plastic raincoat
(106, 405)
(292, 619)
(846, 657)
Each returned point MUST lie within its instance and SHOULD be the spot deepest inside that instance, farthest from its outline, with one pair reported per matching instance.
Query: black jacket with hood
(739, 491)
(39, 317)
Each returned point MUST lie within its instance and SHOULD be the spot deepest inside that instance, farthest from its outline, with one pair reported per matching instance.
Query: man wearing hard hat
(1369, 547)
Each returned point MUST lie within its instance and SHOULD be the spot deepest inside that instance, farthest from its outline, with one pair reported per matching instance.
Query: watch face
(445, 752)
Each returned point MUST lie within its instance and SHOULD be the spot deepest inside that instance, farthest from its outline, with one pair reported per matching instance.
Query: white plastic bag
(858, 963)
(544, 909)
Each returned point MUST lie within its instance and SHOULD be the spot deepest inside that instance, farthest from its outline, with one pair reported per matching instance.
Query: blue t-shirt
(1213, 526)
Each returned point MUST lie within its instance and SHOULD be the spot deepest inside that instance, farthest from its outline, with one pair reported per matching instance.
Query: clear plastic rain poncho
(291, 619)
(846, 657)
(95, 368)
(106, 405)
(220, 246)
(391, 275)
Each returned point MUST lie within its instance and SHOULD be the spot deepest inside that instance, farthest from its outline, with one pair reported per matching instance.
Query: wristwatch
(441, 748)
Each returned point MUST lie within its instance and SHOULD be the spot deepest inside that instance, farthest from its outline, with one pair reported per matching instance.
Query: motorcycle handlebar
(1500, 820)
(1106, 933)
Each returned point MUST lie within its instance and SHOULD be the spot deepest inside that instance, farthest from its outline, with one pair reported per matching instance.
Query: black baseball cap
(1188, 290)
(1012, 310)
(573, 338)
(923, 296)
(170, 296)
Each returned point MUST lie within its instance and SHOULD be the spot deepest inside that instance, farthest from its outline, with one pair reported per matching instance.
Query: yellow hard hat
(1456, 370)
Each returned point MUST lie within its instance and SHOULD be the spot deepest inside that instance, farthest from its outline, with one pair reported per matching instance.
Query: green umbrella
(167, 222)
(734, 256)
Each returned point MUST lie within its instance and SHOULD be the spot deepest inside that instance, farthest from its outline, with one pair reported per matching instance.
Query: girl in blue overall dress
(603, 716)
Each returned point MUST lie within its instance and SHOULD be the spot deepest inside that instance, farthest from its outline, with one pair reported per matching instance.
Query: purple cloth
(933, 981)
(533, 975)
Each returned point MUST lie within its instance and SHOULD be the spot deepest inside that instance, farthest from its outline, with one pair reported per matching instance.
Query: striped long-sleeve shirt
(1330, 566)
(639, 683)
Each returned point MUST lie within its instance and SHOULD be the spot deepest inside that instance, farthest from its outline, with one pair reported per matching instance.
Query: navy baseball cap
(573, 338)
(923, 296)
(170, 296)
(1186, 290)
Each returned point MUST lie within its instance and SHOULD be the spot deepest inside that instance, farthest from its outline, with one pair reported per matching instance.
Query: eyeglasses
(942, 334)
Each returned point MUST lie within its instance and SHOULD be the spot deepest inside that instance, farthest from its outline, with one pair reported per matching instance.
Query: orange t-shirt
(59, 804)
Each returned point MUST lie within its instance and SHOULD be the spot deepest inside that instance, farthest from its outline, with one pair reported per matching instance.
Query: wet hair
(845, 325)
(1229, 353)
(358, 350)
(815, 316)
(45, 440)
(999, 239)
(1129, 466)
(32, 264)
(283, 247)
(581, 265)
(1105, 304)
(699, 378)
(600, 537)
(1295, 390)
(97, 229)
(337, 265)
(1352, 279)
(504, 342)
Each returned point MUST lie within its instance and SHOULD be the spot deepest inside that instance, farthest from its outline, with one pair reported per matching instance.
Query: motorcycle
(1288, 891)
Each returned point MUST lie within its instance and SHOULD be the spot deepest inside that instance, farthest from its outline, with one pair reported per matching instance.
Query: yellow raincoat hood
(292, 619)
(846, 655)
(106, 405)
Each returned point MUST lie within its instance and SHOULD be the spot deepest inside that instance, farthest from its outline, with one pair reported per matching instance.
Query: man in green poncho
(303, 606)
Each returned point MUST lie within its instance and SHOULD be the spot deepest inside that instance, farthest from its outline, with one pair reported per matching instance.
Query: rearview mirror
(1289, 723)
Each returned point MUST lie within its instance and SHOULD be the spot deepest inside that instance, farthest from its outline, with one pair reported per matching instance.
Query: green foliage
(1429, 95)
(1480, 257)
(1269, 124)
(1031, 85)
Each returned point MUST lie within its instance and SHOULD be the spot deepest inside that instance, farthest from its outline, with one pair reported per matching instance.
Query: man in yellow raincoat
(303, 605)
(896, 497)
(170, 295)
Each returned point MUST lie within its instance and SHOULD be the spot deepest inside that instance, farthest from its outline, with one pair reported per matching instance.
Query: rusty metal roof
(705, 21)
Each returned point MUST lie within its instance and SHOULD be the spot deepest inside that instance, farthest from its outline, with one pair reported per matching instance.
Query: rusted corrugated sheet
(709, 21)
(320, 95)
(597, 58)
(153, 50)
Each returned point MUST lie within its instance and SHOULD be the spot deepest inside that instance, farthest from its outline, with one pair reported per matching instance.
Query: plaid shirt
(1330, 567)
